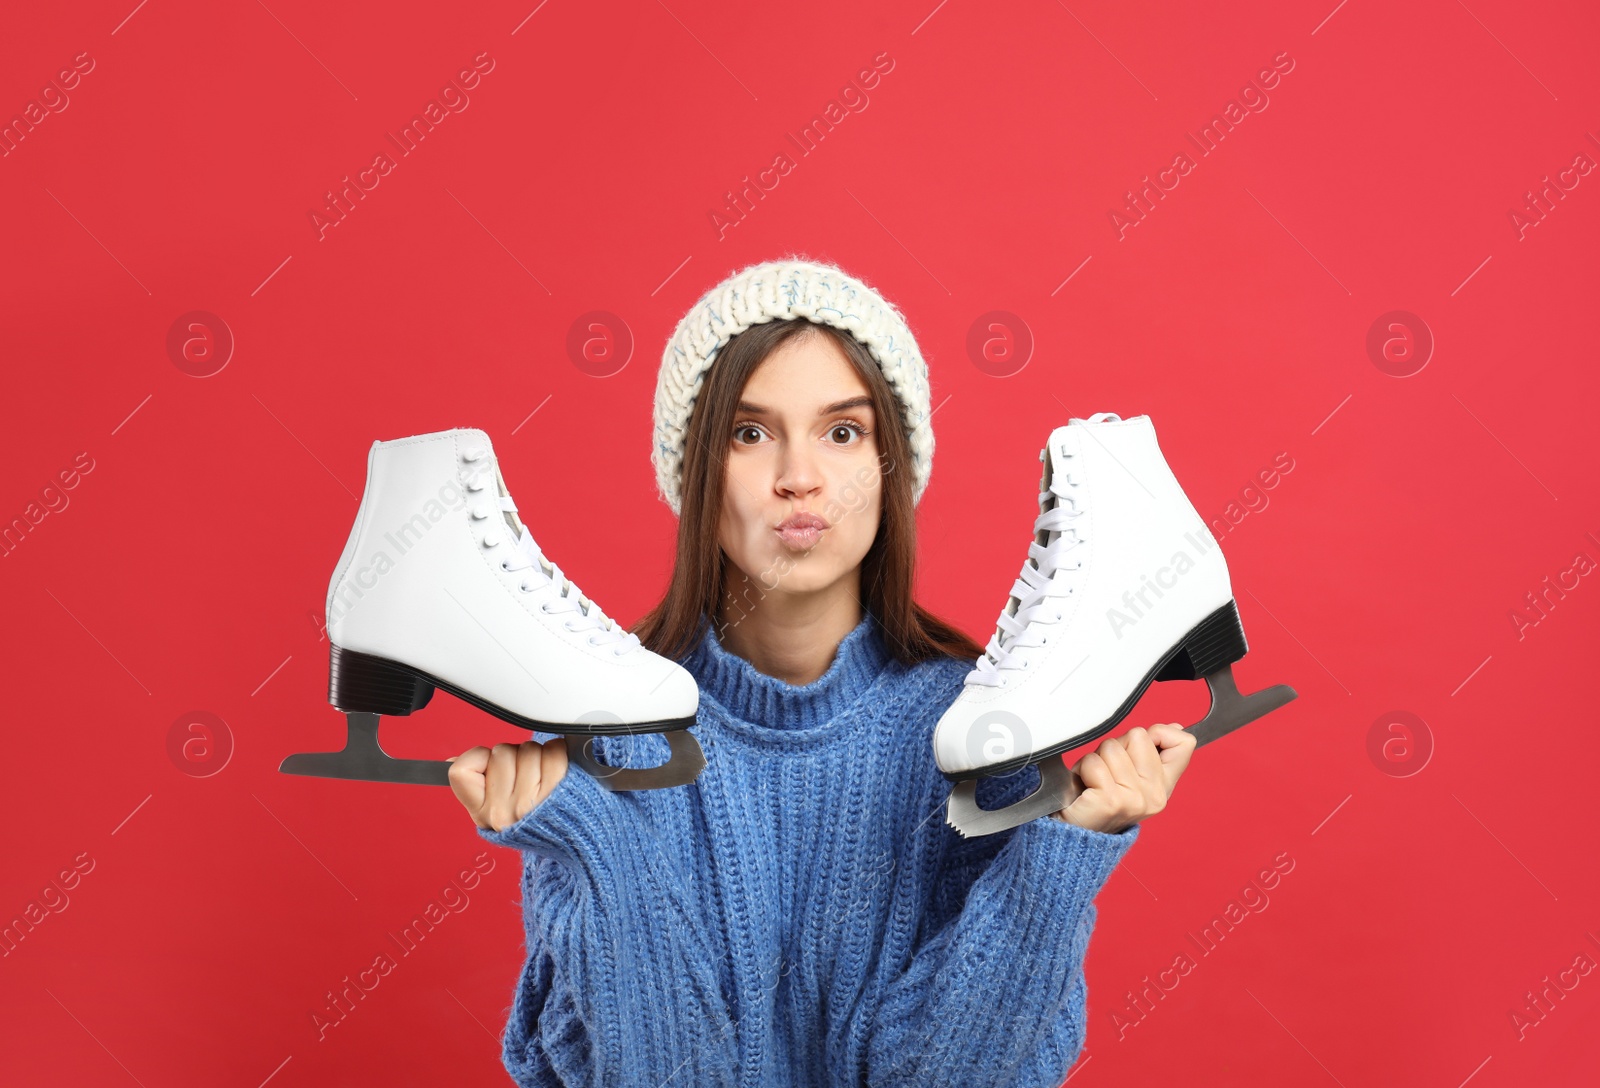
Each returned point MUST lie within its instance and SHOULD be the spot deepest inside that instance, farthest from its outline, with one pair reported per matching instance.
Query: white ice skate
(441, 585)
(1123, 585)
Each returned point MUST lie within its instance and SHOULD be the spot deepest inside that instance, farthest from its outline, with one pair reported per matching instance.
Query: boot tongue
(523, 541)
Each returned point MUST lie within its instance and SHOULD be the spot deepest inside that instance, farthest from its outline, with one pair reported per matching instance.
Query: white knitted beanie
(774, 291)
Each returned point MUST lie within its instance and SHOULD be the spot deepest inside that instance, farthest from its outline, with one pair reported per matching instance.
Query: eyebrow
(825, 410)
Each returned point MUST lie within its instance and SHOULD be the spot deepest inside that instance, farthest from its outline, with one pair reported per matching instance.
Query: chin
(795, 573)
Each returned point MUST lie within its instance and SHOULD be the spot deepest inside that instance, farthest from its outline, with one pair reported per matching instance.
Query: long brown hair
(699, 576)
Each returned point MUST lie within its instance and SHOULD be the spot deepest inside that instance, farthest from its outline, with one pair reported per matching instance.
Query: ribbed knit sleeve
(619, 986)
(994, 994)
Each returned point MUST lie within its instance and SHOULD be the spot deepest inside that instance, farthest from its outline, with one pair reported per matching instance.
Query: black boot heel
(1208, 653)
(362, 683)
(1216, 641)
(365, 686)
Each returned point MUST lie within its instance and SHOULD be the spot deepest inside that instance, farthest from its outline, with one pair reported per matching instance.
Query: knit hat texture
(775, 291)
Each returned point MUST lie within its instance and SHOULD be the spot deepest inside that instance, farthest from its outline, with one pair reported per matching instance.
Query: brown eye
(848, 429)
(739, 431)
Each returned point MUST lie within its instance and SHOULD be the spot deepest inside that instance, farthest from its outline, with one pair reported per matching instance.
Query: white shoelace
(1037, 590)
(525, 555)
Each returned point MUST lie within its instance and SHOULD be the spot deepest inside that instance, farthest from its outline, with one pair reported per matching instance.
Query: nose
(798, 475)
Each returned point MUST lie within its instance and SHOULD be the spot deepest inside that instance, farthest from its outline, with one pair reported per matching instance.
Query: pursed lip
(801, 521)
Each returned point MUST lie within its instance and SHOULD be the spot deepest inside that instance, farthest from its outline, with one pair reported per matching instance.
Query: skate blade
(1058, 787)
(1229, 709)
(363, 760)
(682, 767)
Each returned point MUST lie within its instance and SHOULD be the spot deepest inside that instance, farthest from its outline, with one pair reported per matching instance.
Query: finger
(555, 766)
(1092, 769)
(498, 782)
(1177, 747)
(1174, 741)
(525, 794)
(1142, 752)
(1115, 753)
(466, 778)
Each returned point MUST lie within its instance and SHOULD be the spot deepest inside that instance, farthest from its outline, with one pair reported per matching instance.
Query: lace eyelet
(504, 567)
(568, 625)
(545, 608)
(525, 587)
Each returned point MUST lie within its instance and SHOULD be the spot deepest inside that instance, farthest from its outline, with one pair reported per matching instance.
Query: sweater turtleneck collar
(772, 705)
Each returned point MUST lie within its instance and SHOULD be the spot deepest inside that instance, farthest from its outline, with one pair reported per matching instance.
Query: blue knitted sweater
(800, 915)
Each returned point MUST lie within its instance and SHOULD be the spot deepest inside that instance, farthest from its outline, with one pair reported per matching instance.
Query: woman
(801, 914)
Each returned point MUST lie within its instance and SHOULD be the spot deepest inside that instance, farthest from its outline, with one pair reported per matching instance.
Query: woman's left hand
(1128, 778)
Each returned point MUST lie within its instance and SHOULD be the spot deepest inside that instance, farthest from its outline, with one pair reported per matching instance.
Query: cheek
(741, 521)
(860, 511)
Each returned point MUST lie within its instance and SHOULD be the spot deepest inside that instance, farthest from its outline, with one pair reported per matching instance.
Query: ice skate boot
(442, 586)
(1123, 585)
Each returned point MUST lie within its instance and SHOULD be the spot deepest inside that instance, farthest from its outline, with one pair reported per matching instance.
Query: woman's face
(804, 442)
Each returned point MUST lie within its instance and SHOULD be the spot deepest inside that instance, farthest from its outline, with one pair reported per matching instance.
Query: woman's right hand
(501, 785)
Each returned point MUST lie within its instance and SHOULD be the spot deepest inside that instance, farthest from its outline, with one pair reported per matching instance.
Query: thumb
(1171, 739)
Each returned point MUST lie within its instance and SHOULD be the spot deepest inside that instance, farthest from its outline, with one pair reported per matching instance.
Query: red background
(188, 570)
